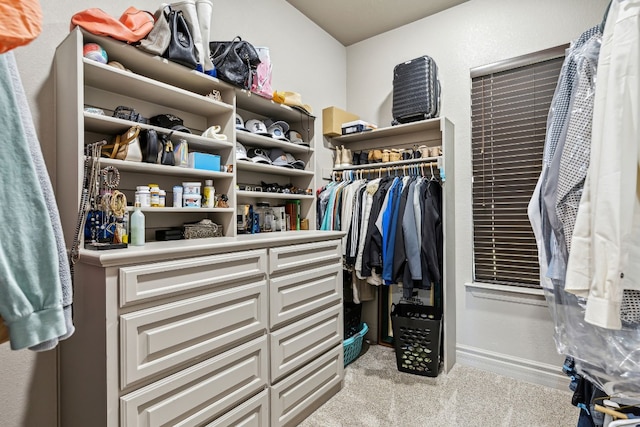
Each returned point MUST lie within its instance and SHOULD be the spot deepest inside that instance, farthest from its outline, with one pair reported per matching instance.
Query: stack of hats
(276, 129)
(275, 156)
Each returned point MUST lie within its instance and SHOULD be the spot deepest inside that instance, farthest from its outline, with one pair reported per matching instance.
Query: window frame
(491, 261)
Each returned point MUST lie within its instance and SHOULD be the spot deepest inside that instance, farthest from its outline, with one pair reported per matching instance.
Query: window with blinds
(509, 106)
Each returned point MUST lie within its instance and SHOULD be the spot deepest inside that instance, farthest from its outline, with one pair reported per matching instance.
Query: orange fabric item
(20, 23)
(133, 25)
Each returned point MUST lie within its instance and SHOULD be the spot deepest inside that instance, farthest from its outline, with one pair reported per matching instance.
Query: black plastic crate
(416, 338)
(352, 317)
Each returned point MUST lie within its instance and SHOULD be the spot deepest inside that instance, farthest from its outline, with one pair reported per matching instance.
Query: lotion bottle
(136, 222)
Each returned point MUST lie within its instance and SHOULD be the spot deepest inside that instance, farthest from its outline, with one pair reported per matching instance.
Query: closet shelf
(244, 165)
(187, 210)
(126, 83)
(249, 139)
(105, 124)
(266, 195)
(158, 68)
(151, 168)
(247, 100)
(422, 129)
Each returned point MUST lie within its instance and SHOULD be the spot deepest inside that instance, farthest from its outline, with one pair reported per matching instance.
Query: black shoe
(355, 160)
(364, 157)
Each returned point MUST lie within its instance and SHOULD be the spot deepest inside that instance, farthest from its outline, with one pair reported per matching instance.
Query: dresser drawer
(201, 393)
(252, 413)
(159, 338)
(304, 256)
(142, 282)
(302, 392)
(299, 343)
(299, 294)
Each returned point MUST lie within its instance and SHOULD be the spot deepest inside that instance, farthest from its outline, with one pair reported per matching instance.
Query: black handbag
(167, 157)
(150, 145)
(236, 61)
(181, 48)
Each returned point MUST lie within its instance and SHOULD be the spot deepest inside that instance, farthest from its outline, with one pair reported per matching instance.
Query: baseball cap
(292, 161)
(169, 121)
(258, 155)
(277, 132)
(241, 152)
(240, 123)
(296, 137)
(279, 158)
(258, 127)
(284, 125)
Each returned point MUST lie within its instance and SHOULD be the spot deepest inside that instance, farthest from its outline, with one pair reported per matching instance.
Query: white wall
(505, 332)
(306, 60)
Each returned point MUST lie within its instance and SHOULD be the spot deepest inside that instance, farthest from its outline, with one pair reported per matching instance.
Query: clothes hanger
(604, 18)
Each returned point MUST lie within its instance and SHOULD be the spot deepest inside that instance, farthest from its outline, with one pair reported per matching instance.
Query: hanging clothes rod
(423, 168)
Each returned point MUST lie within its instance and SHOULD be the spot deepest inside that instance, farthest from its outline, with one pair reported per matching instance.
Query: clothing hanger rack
(426, 169)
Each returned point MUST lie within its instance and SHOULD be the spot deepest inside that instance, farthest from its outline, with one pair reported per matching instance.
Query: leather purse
(167, 156)
(181, 48)
(236, 61)
(150, 145)
(125, 146)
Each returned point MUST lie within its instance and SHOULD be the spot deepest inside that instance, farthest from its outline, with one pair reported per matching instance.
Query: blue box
(204, 161)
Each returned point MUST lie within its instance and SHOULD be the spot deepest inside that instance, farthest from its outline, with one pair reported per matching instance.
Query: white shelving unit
(432, 133)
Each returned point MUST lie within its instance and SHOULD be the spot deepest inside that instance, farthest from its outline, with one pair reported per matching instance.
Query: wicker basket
(202, 229)
(353, 345)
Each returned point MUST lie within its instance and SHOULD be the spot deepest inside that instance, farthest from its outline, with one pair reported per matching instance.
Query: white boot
(338, 162)
(188, 8)
(205, 8)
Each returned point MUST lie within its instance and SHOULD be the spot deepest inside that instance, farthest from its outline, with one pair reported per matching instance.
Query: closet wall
(299, 50)
(509, 333)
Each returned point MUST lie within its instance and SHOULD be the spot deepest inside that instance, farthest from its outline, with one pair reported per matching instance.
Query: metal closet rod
(433, 169)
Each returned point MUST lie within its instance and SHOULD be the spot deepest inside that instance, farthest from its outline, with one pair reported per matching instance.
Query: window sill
(512, 294)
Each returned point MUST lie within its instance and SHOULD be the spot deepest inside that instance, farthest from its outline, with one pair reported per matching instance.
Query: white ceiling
(351, 21)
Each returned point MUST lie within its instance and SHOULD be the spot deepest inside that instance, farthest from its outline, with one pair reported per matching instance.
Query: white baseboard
(513, 367)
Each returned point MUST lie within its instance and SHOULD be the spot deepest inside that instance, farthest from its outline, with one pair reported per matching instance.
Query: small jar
(191, 200)
(191, 187)
(177, 196)
(144, 195)
(162, 198)
(155, 195)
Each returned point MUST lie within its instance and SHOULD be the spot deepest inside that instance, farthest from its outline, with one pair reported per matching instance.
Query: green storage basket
(353, 345)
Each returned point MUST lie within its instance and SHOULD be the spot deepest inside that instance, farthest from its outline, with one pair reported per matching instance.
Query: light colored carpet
(376, 394)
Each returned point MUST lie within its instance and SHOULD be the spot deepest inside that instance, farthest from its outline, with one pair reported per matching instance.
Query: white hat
(258, 127)
(240, 123)
(258, 155)
(277, 132)
(241, 152)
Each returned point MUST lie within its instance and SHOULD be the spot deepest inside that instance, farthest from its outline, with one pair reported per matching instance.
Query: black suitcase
(416, 90)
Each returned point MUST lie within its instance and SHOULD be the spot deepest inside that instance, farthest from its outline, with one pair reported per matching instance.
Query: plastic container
(143, 194)
(162, 198)
(353, 346)
(177, 196)
(191, 200)
(191, 188)
(416, 337)
(209, 194)
(137, 226)
(154, 191)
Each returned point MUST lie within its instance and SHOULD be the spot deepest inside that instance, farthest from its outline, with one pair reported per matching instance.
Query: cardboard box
(332, 120)
(204, 161)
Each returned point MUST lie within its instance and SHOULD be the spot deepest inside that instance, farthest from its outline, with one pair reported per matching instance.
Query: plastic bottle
(162, 198)
(209, 194)
(155, 195)
(136, 236)
(177, 196)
